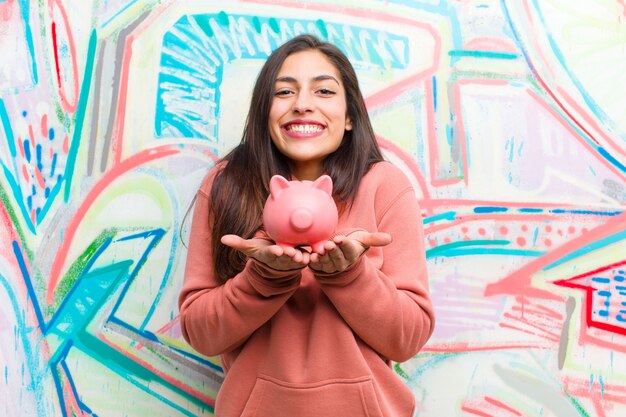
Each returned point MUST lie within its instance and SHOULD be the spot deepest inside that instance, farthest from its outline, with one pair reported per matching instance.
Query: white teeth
(304, 128)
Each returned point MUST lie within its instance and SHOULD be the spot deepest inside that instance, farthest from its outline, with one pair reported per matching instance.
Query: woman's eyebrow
(292, 80)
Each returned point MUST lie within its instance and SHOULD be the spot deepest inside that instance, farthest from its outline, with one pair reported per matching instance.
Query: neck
(309, 172)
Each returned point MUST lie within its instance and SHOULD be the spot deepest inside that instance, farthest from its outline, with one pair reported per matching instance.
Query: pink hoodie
(299, 344)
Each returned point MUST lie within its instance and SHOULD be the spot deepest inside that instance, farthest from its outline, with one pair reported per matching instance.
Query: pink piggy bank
(300, 212)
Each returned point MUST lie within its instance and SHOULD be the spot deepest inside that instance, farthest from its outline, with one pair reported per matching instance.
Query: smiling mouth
(297, 128)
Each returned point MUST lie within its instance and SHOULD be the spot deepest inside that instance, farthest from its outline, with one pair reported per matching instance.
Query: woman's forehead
(309, 64)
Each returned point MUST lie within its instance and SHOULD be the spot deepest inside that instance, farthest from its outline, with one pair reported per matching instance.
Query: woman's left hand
(342, 252)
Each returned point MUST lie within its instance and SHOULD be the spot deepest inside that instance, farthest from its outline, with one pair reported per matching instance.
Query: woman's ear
(348, 123)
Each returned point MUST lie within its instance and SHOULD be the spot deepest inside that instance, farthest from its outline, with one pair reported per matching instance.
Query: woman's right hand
(265, 251)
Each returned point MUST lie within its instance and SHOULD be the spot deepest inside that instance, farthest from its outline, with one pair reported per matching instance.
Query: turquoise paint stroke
(156, 236)
(483, 54)
(591, 247)
(464, 244)
(119, 12)
(450, 215)
(32, 365)
(455, 252)
(586, 212)
(89, 296)
(6, 126)
(84, 408)
(85, 299)
(78, 126)
(25, 11)
(133, 372)
(491, 209)
(610, 158)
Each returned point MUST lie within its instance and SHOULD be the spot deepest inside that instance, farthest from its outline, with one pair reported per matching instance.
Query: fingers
(276, 251)
(234, 241)
(335, 255)
(373, 239)
(265, 251)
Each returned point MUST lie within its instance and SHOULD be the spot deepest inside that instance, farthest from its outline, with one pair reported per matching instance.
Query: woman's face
(308, 115)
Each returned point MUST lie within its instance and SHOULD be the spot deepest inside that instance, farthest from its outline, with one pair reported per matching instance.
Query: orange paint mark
(31, 133)
(502, 405)
(20, 145)
(66, 144)
(475, 411)
(40, 180)
(44, 126)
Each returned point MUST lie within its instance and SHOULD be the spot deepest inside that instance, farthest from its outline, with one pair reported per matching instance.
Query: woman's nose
(303, 103)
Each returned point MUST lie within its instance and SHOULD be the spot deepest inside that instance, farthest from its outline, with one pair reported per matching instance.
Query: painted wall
(508, 116)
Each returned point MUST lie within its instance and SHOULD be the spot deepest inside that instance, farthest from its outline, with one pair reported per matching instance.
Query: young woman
(308, 334)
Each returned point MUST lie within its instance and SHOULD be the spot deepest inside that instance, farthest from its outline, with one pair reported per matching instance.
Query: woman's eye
(325, 91)
(282, 92)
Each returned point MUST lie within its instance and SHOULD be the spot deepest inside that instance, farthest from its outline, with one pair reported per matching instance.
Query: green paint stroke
(400, 371)
(78, 269)
(4, 197)
(578, 405)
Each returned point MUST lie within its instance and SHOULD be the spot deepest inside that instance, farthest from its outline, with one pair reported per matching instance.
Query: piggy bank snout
(301, 219)
(300, 212)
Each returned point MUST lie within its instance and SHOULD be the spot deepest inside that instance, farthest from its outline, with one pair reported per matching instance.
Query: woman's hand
(342, 252)
(268, 253)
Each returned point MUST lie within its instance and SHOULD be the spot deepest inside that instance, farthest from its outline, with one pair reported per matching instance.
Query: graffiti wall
(508, 116)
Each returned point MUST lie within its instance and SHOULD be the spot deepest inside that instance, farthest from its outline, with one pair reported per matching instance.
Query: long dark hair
(241, 186)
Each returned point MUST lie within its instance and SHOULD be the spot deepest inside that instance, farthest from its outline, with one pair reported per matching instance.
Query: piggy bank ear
(277, 184)
(324, 183)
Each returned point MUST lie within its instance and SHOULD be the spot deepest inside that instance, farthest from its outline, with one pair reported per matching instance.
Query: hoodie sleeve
(217, 317)
(385, 296)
